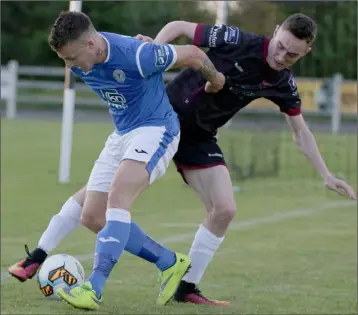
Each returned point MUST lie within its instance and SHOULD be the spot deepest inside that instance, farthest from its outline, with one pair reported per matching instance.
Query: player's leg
(211, 180)
(61, 225)
(129, 181)
(214, 187)
(93, 218)
(139, 243)
(146, 157)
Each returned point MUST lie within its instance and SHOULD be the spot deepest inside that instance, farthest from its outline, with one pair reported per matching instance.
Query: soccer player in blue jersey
(127, 74)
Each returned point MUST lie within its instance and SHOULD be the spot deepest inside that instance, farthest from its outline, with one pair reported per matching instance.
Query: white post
(221, 18)
(12, 68)
(68, 116)
(336, 103)
(222, 12)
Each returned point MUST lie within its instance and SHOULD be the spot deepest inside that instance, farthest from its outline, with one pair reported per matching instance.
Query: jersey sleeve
(153, 58)
(288, 99)
(217, 35)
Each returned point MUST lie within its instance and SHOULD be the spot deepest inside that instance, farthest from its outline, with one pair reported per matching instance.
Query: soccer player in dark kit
(254, 67)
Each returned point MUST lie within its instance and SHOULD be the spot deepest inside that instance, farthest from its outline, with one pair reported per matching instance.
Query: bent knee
(224, 212)
(92, 222)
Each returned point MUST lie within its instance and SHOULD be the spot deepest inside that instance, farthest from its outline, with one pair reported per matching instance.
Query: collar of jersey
(108, 47)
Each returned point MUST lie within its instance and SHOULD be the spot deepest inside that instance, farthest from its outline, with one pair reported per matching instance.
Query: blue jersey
(130, 81)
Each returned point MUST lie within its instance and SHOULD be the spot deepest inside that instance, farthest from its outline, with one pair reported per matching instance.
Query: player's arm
(202, 35)
(305, 140)
(189, 56)
(289, 102)
(153, 58)
(174, 30)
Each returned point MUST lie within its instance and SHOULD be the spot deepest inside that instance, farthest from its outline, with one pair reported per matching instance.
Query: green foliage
(25, 27)
(335, 49)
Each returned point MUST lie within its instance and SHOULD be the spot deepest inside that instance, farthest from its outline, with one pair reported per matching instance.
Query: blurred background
(307, 234)
(326, 78)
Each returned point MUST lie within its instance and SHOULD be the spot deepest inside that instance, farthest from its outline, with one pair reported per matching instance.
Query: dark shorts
(198, 154)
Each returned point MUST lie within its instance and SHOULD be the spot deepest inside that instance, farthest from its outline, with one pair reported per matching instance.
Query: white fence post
(12, 70)
(68, 113)
(222, 12)
(336, 103)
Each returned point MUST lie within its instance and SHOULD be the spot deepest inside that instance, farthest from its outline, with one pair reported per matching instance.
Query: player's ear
(90, 43)
(307, 51)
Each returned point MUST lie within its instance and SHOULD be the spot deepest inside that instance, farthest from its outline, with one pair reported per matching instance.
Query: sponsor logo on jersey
(213, 34)
(161, 55)
(114, 98)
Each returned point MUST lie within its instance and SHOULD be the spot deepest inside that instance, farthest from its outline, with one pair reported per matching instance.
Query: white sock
(61, 225)
(202, 250)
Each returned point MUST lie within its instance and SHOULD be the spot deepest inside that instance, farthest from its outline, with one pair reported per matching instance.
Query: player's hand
(215, 85)
(144, 38)
(340, 187)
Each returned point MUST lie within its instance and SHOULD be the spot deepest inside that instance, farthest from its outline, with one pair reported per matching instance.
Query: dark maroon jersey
(241, 57)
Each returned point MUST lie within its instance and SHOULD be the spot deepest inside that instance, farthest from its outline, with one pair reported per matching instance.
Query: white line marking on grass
(4, 276)
(274, 218)
(278, 217)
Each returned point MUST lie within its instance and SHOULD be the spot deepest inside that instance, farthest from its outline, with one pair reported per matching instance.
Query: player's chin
(276, 66)
(279, 67)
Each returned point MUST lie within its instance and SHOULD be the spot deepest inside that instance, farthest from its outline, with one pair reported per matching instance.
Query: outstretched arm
(306, 142)
(174, 30)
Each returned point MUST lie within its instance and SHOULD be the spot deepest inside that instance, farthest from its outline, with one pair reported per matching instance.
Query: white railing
(15, 89)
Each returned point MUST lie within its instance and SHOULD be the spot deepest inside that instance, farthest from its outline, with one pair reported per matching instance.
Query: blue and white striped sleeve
(153, 58)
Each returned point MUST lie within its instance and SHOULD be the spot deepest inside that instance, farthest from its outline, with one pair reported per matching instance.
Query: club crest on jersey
(161, 55)
(292, 83)
(119, 75)
(114, 99)
(231, 35)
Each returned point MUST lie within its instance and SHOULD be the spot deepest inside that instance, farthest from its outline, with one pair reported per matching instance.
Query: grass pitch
(291, 248)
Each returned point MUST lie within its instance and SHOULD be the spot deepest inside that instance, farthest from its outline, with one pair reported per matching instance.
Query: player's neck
(102, 51)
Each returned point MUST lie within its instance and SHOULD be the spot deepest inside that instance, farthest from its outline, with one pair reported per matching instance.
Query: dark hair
(301, 26)
(68, 26)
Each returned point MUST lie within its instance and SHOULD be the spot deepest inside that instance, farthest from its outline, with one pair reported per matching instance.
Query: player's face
(285, 49)
(79, 54)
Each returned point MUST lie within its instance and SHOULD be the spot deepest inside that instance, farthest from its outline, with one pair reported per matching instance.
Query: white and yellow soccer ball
(59, 271)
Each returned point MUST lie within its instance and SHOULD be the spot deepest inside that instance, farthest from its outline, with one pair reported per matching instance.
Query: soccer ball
(59, 271)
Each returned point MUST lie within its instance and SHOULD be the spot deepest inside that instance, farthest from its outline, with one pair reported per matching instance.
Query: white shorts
(152, 145)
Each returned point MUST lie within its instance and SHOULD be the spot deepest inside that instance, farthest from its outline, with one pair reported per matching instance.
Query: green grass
(304, 264)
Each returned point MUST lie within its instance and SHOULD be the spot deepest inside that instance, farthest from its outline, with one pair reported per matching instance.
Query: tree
(25, 25)
(335, 49)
